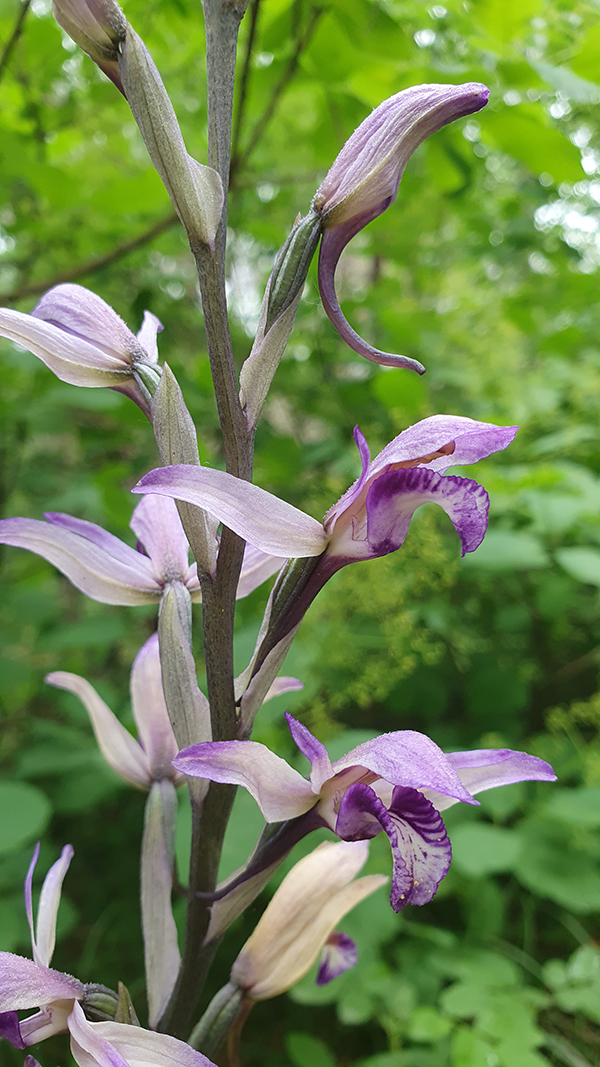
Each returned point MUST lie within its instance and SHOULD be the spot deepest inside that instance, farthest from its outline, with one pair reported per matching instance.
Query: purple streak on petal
(355, 490)
(339, 954)
(45, 932)
(283, 684)
(156, 523)
(420, 847)
(150, 711)
(333, 243)
(146, 335)
(393, 499)
(259, 517)
(488, 768)
(256, 568)
(85, 563)
(280, 792)
(85, 315)
(315, 752)
(9, 1029)
(28, 900)
(24, 984)
(112, 545)
(472, 440)
(407, 758)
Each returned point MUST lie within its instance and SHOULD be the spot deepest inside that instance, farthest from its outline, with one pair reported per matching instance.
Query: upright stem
(209, 819)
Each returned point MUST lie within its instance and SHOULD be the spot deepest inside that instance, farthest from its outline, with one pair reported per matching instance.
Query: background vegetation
(486, 270)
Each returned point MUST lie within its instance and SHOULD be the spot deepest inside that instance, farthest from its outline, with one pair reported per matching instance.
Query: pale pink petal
(280, 792)
(80, 313)
(116, 744)
(488, 768)
(473, 442)
(72, 360)
(259, 517)
(48, 907)
(281, 685)
(146, 335)
(28, 900)
(256, 568)
(121, 1045)
(24, 984)
(150, 711)
(156, 524)
(89, 567)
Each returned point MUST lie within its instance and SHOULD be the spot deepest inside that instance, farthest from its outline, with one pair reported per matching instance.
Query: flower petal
(122, 1045)
(89, 567)
(280, 792)
(156, 524)
(29, 902)
(146, 335)
(113, 546)
(407, 758)
(150, 711)
(393, 499)
(315, 752)
(71, 359)
(49, 901)
(420, 846)
(116, 744)
(333, 243)
(472, 440)
(84, 315)
(256, 568)
(24, 984)
(487, 768)
(161, 953)
(281, 685)
(10, 1029)
(259, 517)
(339, 954)
(46, 1023)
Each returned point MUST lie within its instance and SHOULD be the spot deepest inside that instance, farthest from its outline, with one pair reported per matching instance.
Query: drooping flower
(299, 922)
(108, 570)
(148, 759)
(364, 180)
(33, 983)
(371, 519)
(398, 782)
(84, 342)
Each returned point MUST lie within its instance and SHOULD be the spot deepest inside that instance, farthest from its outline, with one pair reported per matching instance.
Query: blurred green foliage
(486, 270)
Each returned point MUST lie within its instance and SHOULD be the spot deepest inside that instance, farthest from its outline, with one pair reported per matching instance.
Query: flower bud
(364, 180)
(97, 26)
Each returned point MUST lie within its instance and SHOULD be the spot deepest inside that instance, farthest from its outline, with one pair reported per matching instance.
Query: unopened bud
(97, 26)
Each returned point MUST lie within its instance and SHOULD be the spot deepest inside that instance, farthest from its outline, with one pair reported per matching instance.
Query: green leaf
(305, 1050)
(479, 849)
(428, 1025)
(25, 814)
(578, 807)
(581, 563)
(522, 133)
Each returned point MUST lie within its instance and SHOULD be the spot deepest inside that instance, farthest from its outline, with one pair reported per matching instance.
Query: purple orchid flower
(364, 180)
(32, 983)
(398, 783)
(371, 519)
(108, 570)
(84, 342)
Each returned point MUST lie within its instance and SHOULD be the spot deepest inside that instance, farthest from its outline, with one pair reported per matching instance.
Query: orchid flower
(299, 922)
(371, 519)
(398, 782)
(364, 180)
(33, 983)
(139, 762)
(79, 337)
(108, 570)
(109, 1044)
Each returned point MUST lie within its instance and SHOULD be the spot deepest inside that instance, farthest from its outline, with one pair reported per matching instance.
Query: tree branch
(92, 266)
(8, 49)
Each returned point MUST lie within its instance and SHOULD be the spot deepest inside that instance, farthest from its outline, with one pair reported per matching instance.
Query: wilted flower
(108, 570)
(79, 337)
(364, 180)
(398, 782)
(97, 26)
(299, 921)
